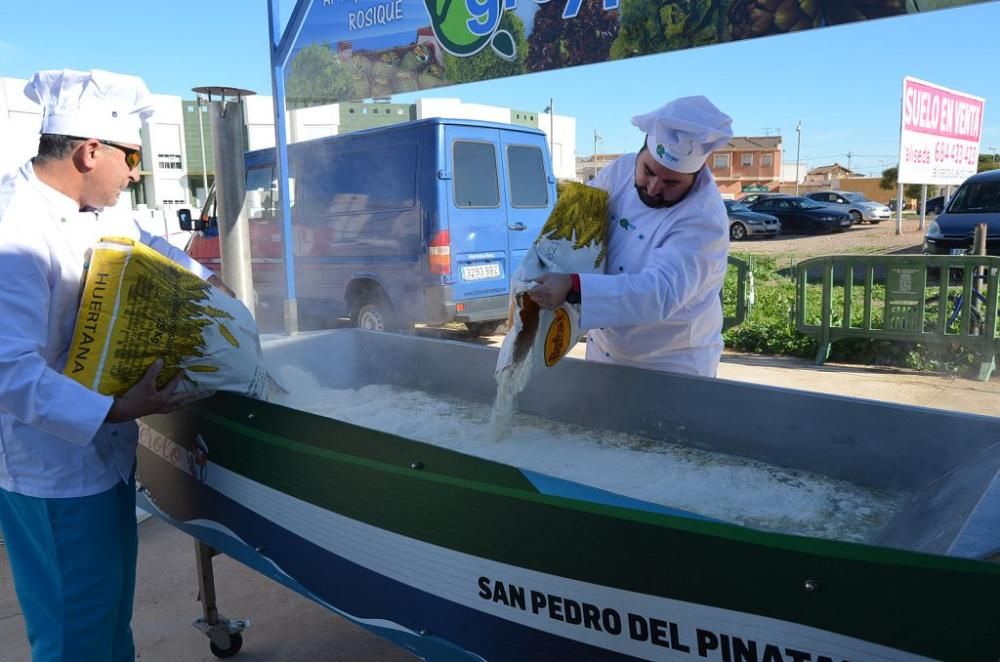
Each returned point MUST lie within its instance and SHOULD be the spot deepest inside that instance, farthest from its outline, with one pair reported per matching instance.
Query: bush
(770, 328)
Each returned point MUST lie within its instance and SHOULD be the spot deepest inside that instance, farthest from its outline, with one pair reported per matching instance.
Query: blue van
(422, 221)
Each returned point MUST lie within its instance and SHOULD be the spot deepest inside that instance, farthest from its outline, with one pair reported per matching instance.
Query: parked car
(751, 198)
(858, 206)
(421, 221)
(976, 201)
(891, 204)
(935, 205)
(800, 215)
(745, 223)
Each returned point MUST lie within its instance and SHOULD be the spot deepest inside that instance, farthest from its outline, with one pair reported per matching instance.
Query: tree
(988, 162)
(653, 26)
(317, 77)
(889, 183)
(586, 38)
(486, 63)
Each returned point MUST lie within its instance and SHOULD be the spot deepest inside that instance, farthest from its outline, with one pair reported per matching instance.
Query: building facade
(178, 160)
(829, 175)
(745, 164)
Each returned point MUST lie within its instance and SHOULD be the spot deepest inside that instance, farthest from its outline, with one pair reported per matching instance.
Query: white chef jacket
(657, 305)
(53, 438)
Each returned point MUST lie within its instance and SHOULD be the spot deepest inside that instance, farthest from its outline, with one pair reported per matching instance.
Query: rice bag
(573, 240)
(137, 306)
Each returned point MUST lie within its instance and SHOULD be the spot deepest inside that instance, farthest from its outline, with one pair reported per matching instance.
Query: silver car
(858, 206)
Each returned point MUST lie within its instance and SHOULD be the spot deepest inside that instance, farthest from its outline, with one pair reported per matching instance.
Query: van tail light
(440, 253)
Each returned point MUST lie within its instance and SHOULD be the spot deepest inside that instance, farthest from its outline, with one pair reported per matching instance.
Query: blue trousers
(73, 562)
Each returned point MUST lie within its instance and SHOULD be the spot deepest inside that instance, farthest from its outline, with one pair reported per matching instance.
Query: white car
(858, 206)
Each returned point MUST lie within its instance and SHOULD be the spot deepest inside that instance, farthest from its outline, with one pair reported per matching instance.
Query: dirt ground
(864, 238)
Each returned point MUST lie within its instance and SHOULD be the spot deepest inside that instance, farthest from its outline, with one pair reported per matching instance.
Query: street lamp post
(596, 138)
(551, 110)
(798, 154)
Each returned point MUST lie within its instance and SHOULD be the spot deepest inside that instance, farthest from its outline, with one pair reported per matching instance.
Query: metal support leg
(987, 362)
(223, 634)
(824, 352)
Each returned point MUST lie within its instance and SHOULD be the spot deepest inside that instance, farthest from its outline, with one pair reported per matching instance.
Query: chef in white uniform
(657, 305)
(67, 454)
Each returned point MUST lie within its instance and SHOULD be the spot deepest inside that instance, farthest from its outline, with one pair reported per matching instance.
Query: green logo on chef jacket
(625, 223)
(465, 27)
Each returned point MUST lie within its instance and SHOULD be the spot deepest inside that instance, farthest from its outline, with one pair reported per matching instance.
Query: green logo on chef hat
(662, 152)
(465, 27)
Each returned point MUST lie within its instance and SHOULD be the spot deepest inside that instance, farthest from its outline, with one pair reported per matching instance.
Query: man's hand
(215, 280)
(144, 399)
(551, 290)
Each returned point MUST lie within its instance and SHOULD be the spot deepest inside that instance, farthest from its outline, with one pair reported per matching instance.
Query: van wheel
(481, 329)
(373, 313)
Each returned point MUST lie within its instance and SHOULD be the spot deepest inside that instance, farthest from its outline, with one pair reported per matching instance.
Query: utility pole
(798, 154)
(551, 110)
(849, 155)
(596, 138)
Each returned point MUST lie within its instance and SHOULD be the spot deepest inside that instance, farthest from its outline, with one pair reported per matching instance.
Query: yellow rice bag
(573, 240)
(138, 305)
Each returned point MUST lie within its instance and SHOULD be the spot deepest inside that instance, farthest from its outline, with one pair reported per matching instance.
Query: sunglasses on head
(133, 157)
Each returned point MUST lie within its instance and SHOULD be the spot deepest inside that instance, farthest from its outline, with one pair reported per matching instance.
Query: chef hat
(91, 104)
(682, 134)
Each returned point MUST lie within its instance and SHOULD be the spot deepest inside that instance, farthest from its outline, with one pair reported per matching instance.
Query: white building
(321, 121)
(173, 177)
(789, 174)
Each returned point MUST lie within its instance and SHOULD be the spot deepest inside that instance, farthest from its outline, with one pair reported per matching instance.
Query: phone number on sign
(955, 153)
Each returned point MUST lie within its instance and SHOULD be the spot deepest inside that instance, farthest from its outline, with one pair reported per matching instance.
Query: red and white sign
(941, 129)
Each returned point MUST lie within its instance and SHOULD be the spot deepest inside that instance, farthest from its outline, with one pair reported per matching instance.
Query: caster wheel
(235, 644)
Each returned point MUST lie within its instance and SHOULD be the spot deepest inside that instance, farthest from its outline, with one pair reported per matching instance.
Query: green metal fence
(744, 292)
(923, 299)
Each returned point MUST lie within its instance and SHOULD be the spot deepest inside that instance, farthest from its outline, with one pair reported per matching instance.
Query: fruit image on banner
(757, 18)
(138, 306)
(375, 48)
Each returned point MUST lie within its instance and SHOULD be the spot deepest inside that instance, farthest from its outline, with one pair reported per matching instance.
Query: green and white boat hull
(457, 557)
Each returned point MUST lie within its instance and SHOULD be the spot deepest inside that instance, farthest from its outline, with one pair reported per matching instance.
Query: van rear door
(530, 189)
(477, 213)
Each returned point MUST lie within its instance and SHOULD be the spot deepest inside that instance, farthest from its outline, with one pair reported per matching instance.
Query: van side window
(977, 197)
(476, 182)
(526, 171)
(335, 181)
(262, 193)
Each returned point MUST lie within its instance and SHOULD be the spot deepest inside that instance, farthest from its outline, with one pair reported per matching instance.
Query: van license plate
(481, 271)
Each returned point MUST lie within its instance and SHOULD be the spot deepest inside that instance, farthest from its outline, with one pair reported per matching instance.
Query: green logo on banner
(465, 27)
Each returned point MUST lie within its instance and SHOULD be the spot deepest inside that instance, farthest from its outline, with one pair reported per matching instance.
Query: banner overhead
(360, 49)
(940, 133)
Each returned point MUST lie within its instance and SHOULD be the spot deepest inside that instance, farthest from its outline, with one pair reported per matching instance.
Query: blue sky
(842, 83)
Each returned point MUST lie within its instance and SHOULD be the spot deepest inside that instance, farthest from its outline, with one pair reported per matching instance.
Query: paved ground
(863, 238)
(288, 627)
